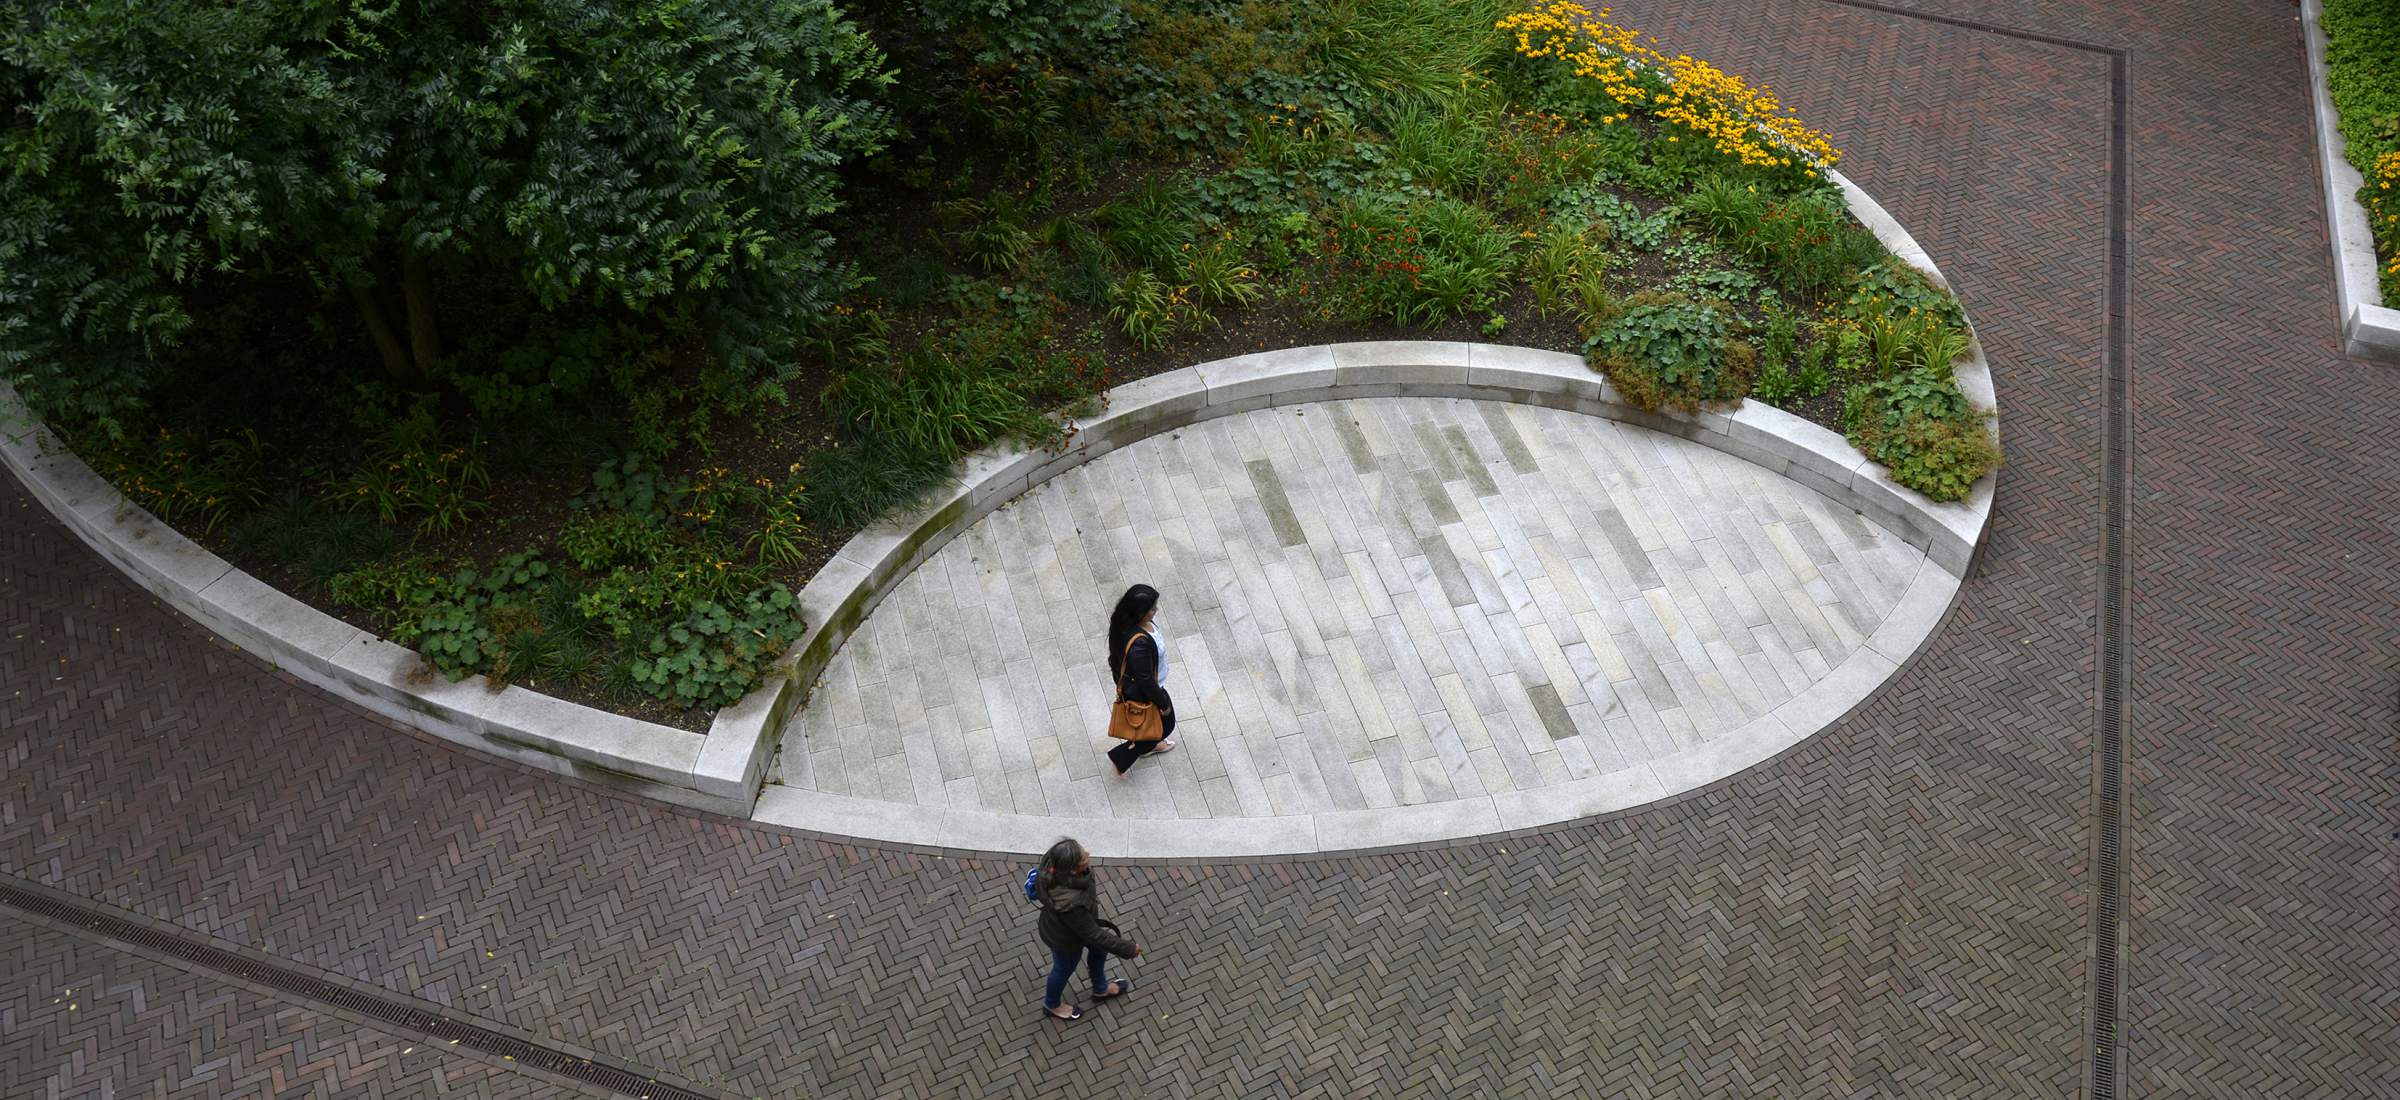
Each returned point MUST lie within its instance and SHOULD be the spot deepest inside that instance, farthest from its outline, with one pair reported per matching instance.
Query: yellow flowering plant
(2383, 214)
(1741, 120)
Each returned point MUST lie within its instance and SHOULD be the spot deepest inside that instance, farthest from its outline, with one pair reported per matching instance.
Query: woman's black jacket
(1141, 673)
(1071, 918)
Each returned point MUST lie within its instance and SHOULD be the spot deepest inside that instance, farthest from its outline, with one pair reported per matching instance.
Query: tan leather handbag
(1131, 721)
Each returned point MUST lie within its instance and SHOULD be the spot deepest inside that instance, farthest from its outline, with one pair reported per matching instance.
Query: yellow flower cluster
(1742, 120)
(2383, 209)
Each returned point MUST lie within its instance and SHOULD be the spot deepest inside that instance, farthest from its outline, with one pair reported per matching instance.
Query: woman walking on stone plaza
(1137, 665)
(1072, 928)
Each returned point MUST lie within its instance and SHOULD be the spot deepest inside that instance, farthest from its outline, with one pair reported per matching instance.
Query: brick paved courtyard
(1897, 907)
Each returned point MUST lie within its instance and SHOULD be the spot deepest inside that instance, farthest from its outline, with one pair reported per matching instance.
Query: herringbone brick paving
(1895, 908)
(86, 1019)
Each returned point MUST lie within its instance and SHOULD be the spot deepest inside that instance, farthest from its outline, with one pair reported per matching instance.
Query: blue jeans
(1062, 966)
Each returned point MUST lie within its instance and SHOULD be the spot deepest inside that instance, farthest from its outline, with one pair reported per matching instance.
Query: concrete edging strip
(719, 771)
(2369, 328)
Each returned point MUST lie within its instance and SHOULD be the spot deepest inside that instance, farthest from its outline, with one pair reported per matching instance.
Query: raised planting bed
(578, 512)
(2354, 87)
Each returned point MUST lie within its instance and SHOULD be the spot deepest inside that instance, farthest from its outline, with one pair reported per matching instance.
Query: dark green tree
(161, 156)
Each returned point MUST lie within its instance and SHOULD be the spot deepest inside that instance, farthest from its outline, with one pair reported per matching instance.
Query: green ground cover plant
(2362, 63)
(591, 436)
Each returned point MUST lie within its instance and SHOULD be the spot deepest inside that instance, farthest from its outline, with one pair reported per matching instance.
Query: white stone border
(720, 771)
(2369, 328)
(847, 590)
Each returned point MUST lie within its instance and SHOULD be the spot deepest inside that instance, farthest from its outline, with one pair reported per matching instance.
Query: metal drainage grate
(2115, 678)
(2116, 475)
(441, 1029)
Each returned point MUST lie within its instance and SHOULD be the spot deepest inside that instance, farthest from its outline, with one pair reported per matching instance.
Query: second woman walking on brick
(1144, 714)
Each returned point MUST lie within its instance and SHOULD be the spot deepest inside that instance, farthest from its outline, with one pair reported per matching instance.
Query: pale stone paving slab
(1368, 605)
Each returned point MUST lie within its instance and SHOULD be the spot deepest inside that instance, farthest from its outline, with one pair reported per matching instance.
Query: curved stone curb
(846, 591)
(720, 771)
(1779, 441)
(2369, 328)
(955, 832)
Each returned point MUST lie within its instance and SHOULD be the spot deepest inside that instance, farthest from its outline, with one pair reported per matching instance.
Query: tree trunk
(395, 358)
(424, 337)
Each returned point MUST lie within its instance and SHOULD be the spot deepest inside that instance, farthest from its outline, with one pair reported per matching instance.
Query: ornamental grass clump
(1742, 121)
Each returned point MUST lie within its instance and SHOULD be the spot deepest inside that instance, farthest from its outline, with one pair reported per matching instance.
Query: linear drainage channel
(2113, 676)
(442, 1031)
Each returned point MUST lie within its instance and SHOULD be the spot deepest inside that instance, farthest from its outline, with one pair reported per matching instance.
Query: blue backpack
(1030, 894)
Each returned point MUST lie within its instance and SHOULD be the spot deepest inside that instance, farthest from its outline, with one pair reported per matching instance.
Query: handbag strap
(1126, 662)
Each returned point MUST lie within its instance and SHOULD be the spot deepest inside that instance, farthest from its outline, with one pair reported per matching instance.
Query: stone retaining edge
(846, 591)
(720, 771)
(2370, 329)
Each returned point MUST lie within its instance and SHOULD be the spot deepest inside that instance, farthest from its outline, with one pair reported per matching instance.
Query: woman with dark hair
(1072, 928)
(1138, 663)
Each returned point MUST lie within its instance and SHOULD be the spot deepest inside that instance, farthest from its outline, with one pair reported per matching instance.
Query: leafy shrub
(1559, 255)
(1150, 225)
(1895, 287)
(180, 476)
(1624, 221)
(597, 541)
(1218, 275)
(630, 601)
(996, 30)
(717, 653)
(322, 541)
(850, 485)
(1146, 308)
(459, 622)
(780, 535)
(1920, 427)
(190, 156)
(1810, 242)
(1444, 145)
(1668, 353)
(1421, 264)
(1727, 208)
(932, 402)
(998, 243)
(413, 471)
(391, 591)
(558, 357)
(633, 485)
